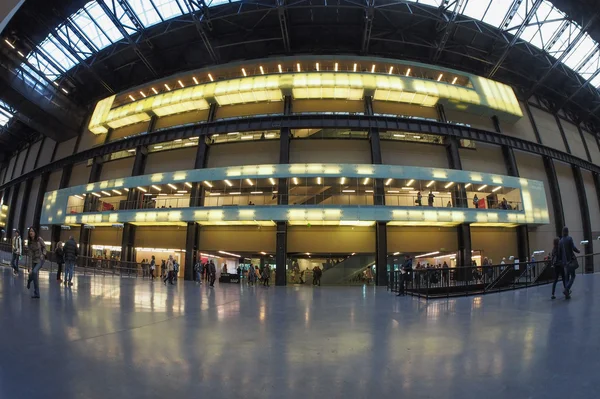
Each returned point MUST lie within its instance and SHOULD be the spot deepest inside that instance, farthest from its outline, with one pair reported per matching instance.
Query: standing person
(37, 253)
(152, 267)
(163, 269)
(317, 272)
(198, 270)
(169, 271)
(60, 259)
(212, 271)
(559, 270)
(566, 255)
(419, 198)
(175, 270)
(476, 201)
(251, 275)
(430, 198)
(17, 251)
(266, 275)
(70, 253)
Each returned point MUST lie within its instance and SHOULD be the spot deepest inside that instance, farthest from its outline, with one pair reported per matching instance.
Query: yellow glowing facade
(485, 96)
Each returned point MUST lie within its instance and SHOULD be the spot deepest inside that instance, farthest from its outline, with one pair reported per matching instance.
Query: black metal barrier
(430, 283)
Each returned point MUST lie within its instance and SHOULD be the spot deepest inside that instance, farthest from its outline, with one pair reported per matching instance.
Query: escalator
(349, 271)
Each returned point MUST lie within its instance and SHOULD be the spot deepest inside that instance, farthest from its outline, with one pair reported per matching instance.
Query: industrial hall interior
(341, 153)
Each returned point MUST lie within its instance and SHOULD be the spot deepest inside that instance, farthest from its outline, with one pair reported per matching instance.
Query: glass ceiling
(91, 29)
(6, 113)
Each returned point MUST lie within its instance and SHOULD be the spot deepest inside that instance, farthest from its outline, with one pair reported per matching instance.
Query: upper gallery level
(308, 78)
(303, 193)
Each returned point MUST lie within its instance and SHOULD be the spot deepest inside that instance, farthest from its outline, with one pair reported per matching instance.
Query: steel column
(128, 242)
(191, 249)
(281, 253)
(11, 210)
(381, 253)
(562, 133)
(37, 213)
(559, 215)
(585, 218)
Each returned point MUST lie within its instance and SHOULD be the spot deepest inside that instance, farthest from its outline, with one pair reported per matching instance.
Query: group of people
(255, 275)
(205, 271)
(66, 257)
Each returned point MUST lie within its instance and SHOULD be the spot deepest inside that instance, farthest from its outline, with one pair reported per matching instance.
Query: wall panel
(593, 204)
(106, 236)
(331, 239)
(89, 140)
(46, 152)
(521, 129)
(413, 154)
(233, 111)
(495, 243)
(65, 149)
(328, 106)
(399, 109)
(548, 129)
(65, 234)
(54, 180)
(18, 205)
(570, 201)
(33, 153)
(485, 158)
(592, 147)
(329, 151)
(421, 239)
(574, 139)
(80, 174)
(244, 153)
(35, 186)
(115, 169)
(476, 121)
(170, 161)
(167, 237)
(181, 119)
(237, 238)
(9, 170)
(20, 161)
(532, 167)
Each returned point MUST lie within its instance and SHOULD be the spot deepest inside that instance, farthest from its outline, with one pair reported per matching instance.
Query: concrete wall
(592, 147)
(80, 174)
(521, 129)
(593, 204)
(329, 151)
(548, 129)
(495, 243)
(118, 168)
(574, 140)
(413, 154)
(65, 149)
(46, 152)
(421, 239)
(132, 130)
(245, 153)
(331, 239)
(568, 193)
(170, 161)
(33, 153)
(476, 121)
(237, 238)
(20, 162)
(35, 187)
(485, 158)
(54, 180)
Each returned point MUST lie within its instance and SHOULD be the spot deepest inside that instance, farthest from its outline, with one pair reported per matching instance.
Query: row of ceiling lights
(12, 46)
(280, 69)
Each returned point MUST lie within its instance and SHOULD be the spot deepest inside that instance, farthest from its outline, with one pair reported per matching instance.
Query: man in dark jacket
(566, 256)
(212, 270)
(70, 253)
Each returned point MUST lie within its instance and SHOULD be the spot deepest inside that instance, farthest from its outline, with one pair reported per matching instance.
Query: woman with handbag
(566, 251)
(37, 253)
(559, 270)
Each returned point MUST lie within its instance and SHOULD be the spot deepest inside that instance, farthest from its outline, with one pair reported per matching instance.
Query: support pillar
(441, 113)
(128, 243)
(585, 219)
(463, 257)
(281, 253)
(191, 249)
(381, 271)
(559, 215)
(55, 235)
(375, 144)
(39, 201)
(459, 193)
(25, 205)
(85, 239)
(11, 210)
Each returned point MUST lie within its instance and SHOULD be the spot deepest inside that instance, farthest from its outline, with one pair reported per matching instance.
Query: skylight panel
(579, 53)
(68, 35)
(476, 9)
(168, 8)
(496, 12)
(57, 53)
(145, 11)
(97, 26)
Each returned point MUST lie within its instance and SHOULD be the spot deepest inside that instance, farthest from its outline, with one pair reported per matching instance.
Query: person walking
(37, 253)
(566, 256)
(476, 201)
(419, 199)
(266, 275)
(212, 271)
(17, 251)
(430, 198)
(559, 270)
(175, 269)
(251, 275)
(405, 275)
(169, 271)
(60, 260)
(317, 272)
(198, 271)
(70, 253)
(152, 267)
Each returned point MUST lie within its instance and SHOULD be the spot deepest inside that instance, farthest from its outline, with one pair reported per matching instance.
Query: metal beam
(516, 35)
(126, 35)
(562, 57)
(447, 30)
(194, 7)
(581, 87)
(281, 12)
(368, 25)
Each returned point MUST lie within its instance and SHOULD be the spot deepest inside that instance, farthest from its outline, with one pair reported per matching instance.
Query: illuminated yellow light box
(486, 96)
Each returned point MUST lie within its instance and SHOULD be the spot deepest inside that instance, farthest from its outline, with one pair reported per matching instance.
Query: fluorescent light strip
(167, 87)
(154, 90)
(354, 69)
(295, 180)
(467, 185)
(411, 181)
(407, 188)
(408, 72)
(348, 191)
(208, 184)
(156, 188)
(482, 187)
(97, 195)
(272, 181)
(428, 254)
(142, 189)
(189, 185)
(373, 69)
(117, 192)
(174, 187)
(256, 192)
(131, 98)
(262, 71)
(388, 181)
(142, 94)
(317, 66)
(195, 80)
(180, 83)
(249, 182)
(440, 77)
(496, 189)
(367, 179)
(210, 77)
(235, 193)
(391, 70)
(430, 183)
(342, 180)
(229, 253)
(228, 183)
(298, 67)
(449, 184)
(279, 67)
(335, 67)
(454, 80)
(318, 180)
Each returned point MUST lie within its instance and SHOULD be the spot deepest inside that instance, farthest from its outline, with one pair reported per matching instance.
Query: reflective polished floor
(124, 338)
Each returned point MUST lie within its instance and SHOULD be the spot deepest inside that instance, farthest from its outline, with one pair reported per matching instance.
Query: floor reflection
(131, 338)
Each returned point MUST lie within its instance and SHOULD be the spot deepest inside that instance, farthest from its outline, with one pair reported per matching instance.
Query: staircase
(348, 270)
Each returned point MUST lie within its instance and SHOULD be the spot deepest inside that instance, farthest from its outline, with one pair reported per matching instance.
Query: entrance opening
(333, 268)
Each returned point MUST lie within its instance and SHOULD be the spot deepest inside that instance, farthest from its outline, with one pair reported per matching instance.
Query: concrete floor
(122, 338)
